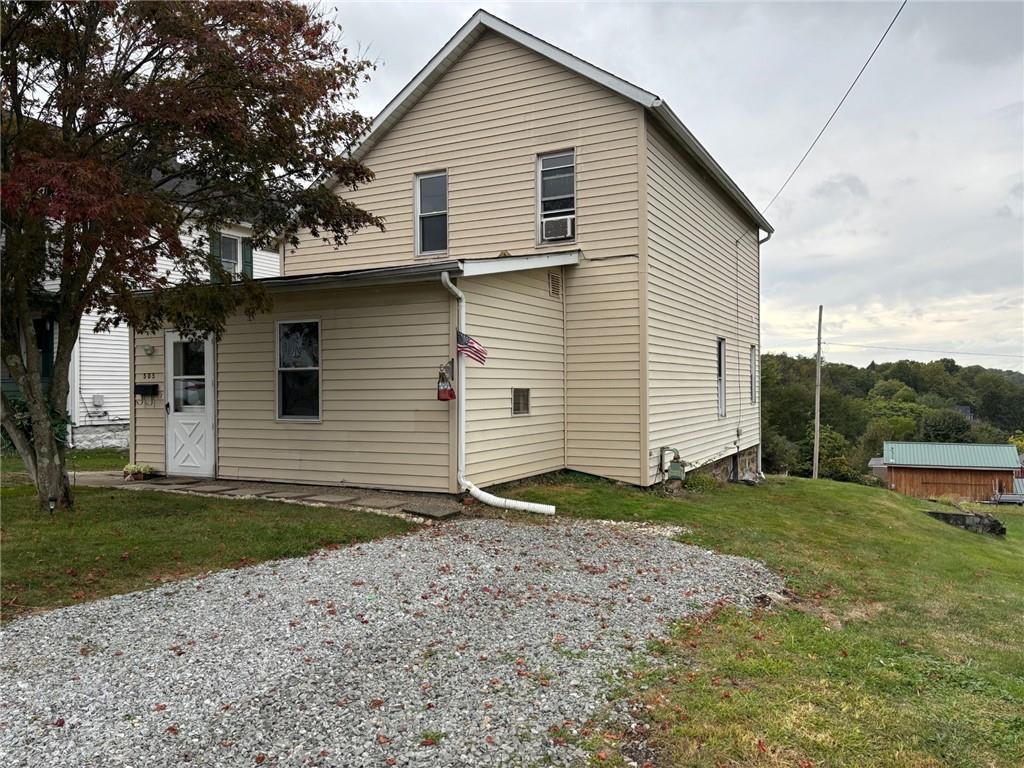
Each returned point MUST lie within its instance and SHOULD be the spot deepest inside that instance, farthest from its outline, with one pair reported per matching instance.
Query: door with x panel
(191, 400)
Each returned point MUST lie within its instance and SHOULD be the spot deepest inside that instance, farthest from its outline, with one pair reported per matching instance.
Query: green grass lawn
(119, 541)
(906, 647)
(12, 468)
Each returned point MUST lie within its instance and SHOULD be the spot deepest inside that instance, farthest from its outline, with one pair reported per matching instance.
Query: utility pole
(817, 400)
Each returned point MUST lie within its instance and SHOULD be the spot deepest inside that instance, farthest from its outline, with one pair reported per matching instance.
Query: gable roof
(480, 23)
(951, 455)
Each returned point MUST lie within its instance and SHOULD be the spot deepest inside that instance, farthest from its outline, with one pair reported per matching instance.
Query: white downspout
(460, 399)
(760, 426)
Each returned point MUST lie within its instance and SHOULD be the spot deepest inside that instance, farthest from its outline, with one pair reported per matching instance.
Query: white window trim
(755, 360)
(238, 251)
(721, 354)
(537, 195)
(416, 217)
(529, 402)
(319, 369)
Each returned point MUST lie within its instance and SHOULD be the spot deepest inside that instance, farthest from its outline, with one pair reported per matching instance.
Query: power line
(834, 111)
(931, 351)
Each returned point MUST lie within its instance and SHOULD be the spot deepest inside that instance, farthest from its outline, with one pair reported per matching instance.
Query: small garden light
(53, 503)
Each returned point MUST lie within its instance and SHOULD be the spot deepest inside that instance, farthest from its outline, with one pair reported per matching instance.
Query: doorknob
(167, 408)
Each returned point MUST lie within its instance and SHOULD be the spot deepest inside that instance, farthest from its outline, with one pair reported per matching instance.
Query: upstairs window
(721, 377)
(431, 213)
(556, 190)
(230, 254)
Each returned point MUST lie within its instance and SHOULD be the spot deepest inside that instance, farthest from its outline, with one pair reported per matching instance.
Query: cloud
(841, 185)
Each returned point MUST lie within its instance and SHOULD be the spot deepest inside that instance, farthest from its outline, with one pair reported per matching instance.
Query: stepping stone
(333, 498)
(241, 492)
(212, 488)
(431, 511)
(173, 481)
(167, 487)
(286, 495)
(379, 501)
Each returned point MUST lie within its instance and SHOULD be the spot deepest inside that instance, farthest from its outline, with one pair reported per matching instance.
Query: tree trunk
(52, 484)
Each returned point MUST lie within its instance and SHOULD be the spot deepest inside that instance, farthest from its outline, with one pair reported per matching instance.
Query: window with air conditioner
(431, 213)
(556, 196)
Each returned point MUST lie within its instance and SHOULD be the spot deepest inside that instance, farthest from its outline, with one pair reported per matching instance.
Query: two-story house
(575, 228)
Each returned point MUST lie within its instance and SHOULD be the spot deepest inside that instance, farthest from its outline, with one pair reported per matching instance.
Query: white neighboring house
(100, 384)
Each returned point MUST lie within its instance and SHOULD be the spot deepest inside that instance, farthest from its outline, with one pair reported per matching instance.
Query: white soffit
(518, 263)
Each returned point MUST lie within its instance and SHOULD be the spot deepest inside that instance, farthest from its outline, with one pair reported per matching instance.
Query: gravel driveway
(461, 644)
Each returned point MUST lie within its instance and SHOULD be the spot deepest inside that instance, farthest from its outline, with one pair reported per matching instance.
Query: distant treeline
(938, 401)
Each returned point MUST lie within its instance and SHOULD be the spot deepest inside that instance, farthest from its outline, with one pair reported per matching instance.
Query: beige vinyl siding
(701, 286)
(147, 438)
(382, 425)
(485, 122)
(602, 335)
(521, 324)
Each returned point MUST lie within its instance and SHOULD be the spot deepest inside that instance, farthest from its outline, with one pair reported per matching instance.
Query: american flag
(471, 348)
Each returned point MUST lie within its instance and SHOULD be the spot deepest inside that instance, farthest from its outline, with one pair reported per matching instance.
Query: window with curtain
(298, 370)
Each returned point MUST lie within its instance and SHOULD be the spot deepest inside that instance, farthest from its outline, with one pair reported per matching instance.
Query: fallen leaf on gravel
(159, 707)
(260, 758)
(59, 722)
(376, 703)
(172, 729)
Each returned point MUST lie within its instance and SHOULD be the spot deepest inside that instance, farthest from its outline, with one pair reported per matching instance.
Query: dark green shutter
(44, 338)
(247, 256)
(214, 256)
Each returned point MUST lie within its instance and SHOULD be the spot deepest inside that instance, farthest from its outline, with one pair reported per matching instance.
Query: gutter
(460, 399)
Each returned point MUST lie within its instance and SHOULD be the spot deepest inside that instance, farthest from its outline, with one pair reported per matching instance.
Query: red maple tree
(130, 131)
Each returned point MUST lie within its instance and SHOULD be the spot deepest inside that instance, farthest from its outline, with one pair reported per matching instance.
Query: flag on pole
(471, 348)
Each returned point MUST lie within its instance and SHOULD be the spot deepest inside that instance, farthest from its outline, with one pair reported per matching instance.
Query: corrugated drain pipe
(460, 398)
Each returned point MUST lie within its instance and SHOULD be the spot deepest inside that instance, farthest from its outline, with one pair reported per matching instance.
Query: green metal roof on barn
(951, 455)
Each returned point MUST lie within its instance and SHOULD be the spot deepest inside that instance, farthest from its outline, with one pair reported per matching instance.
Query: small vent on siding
(555, 284)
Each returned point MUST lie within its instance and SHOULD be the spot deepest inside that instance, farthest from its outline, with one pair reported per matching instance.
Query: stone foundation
(101, 436)
(976, 522)
(738, 466)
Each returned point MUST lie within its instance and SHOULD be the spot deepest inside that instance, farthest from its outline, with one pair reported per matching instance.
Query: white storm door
(190, 400)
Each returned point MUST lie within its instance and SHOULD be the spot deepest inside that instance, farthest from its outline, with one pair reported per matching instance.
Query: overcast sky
(905, 222)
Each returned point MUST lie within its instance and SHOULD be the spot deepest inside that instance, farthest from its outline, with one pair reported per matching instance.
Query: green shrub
(700, 482)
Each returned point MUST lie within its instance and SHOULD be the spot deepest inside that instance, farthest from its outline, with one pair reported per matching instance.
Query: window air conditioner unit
(558, 228)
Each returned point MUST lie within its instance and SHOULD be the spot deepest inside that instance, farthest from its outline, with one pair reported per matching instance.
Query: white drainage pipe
(497, 501)
(460, 398)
